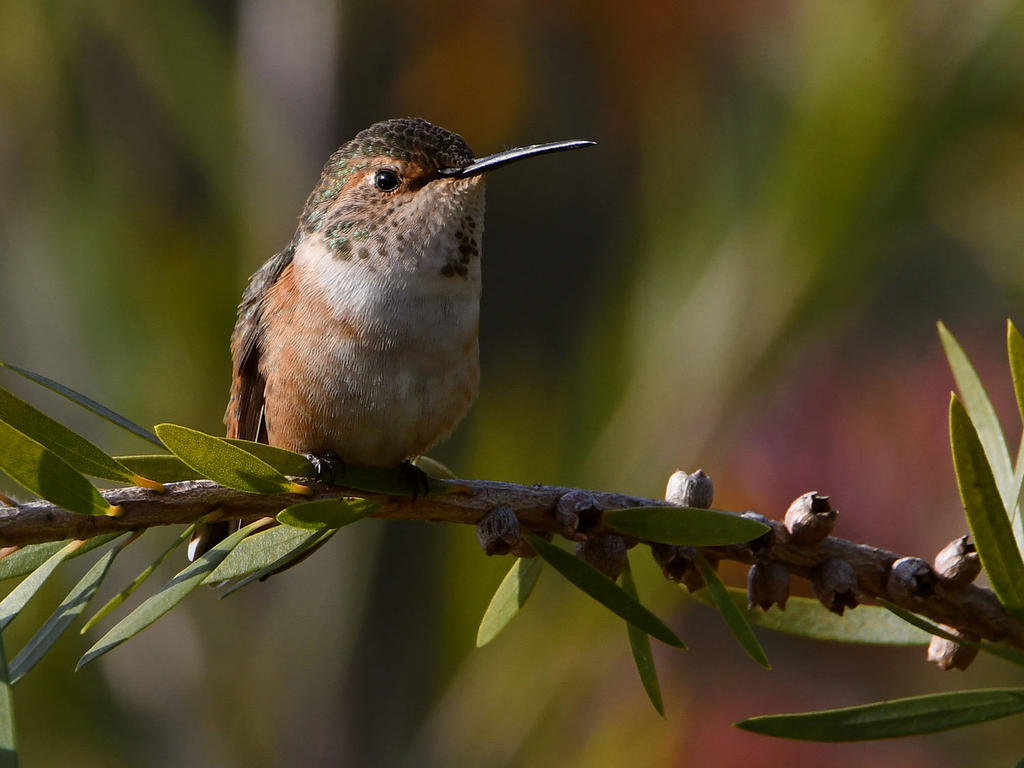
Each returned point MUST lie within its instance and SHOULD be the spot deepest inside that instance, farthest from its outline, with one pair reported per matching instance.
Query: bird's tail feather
(208, 535)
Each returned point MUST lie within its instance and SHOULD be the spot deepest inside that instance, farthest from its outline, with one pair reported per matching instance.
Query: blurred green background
(743, 276)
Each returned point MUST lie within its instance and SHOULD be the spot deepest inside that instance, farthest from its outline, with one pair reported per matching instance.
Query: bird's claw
(416, 477)
(327, 466)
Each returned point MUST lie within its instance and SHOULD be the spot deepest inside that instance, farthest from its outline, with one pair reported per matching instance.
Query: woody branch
(842, 572)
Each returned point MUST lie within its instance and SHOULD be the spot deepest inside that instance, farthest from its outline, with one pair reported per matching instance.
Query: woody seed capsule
(498, 532)
(809, 519)
(910, 577)
(687, 490)
(947, 654)
(677, 563)
(761, 547)
(577, 514)
(958, 563)
(606, 552)
(767, 583)
(834, 583)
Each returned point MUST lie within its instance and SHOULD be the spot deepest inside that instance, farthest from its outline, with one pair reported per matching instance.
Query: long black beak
(489, 163)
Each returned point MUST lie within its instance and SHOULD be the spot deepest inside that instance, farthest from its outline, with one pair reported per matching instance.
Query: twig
(571, 512)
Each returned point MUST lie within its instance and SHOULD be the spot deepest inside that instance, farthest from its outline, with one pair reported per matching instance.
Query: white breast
(410, 372)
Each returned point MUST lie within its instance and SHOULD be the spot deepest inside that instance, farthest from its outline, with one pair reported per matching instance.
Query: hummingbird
(358, 343)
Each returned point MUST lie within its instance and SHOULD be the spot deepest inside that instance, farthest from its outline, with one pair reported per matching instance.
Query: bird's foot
(327, 466)
(416, 477)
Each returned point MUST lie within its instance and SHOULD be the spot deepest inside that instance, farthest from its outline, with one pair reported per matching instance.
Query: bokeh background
(743, 276)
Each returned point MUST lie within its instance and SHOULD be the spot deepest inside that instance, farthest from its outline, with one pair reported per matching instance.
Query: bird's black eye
(386, 180)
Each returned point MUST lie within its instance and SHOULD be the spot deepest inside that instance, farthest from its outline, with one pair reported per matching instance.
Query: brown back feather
(244, 415)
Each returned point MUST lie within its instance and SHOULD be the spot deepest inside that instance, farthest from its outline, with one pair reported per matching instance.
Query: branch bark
(571, 512)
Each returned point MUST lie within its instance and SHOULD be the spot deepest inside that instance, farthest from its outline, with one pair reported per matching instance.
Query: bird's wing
(244, 415)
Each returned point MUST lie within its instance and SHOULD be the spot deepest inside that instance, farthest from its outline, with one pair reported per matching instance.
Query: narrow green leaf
(1016, 521)
(1015, 351)
(986, 516)
(891, 719)
(162, 467)
(510, 596)
(684, 525)
(640, 645)
(44, 473)
(18, 598)
(806, 617)
(69, 609)
(983, 415)
(604, 590)
(1002, 651)
(138, 581)
(8, 734)
(733, 615)
(256, 552)
(311, 540)
(285, 462)
(172, 593)
(85, 402)
(68, 445)
(325, 513)
(224, 463)
(27, 559)
(433, 467)
(320, 520)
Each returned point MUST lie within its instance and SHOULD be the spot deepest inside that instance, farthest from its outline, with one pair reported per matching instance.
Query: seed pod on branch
(677, 563)
(687, 490)
(767, 583)
(606, 552)
(958, 564)
(911, 577)
(499, 532)
(761, 547)
(810, 519)
(834, 583)
(948, 654)
(577, 514)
